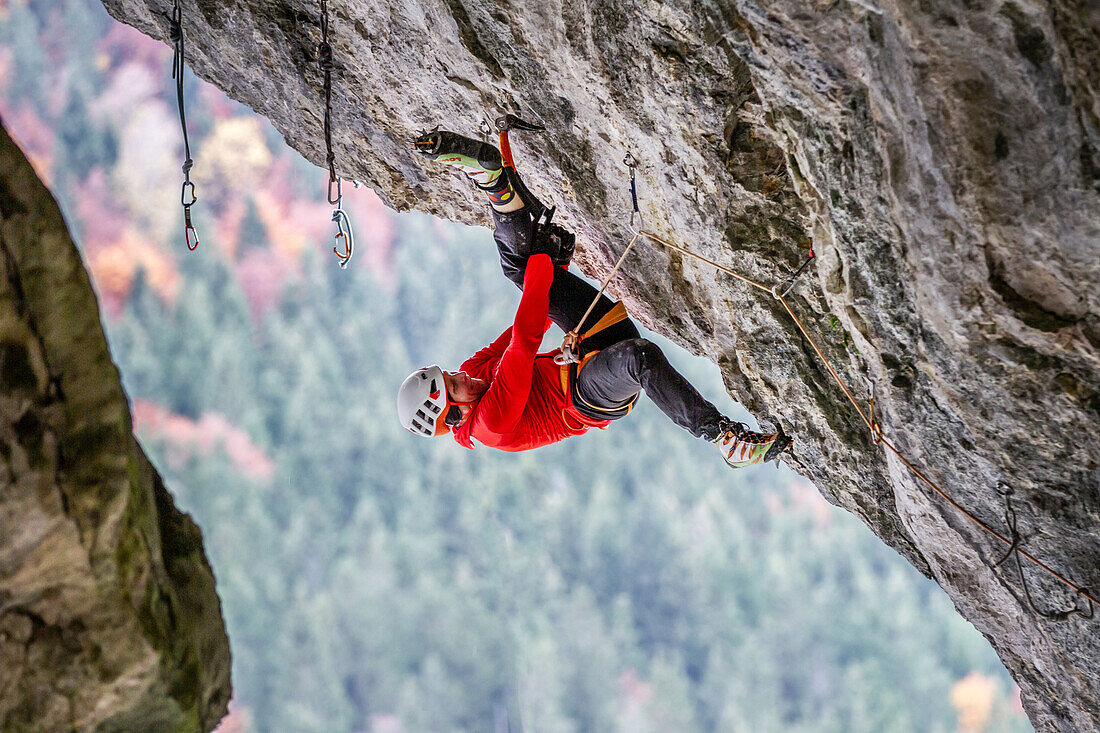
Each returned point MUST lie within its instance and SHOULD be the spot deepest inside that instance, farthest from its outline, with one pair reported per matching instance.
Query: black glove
(556, 241)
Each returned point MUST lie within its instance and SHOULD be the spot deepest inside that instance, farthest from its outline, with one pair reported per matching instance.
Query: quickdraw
(876, 429)
(1012, 521)
(792, 278)
(339, 216)
(631, 162)
(175, 35)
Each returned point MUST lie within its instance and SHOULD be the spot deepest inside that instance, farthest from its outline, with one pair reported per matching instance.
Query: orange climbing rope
(872, 423)
(571, 342)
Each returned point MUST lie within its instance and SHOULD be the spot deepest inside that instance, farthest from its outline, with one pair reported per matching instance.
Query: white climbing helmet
(422, 402)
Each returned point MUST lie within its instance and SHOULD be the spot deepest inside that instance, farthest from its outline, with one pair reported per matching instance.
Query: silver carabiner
(343, 231)
(569, 347)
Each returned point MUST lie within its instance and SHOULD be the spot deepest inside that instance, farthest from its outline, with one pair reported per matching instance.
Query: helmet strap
(454, 417)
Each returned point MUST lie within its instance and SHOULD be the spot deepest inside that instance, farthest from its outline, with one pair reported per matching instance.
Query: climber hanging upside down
(511, 397)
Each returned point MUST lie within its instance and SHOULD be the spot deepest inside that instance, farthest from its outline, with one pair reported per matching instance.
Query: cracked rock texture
(942, 158)
(108, 616)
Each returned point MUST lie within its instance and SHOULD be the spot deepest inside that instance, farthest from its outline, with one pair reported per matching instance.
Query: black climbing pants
(626, 363)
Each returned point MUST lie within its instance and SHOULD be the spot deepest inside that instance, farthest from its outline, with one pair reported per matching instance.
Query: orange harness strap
(565, 373)
(617, 314)
(564, 369)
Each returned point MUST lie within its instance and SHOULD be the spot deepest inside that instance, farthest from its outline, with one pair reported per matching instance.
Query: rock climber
(509, 396)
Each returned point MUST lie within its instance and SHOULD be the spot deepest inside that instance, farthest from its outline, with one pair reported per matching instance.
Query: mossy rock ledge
(109, 620)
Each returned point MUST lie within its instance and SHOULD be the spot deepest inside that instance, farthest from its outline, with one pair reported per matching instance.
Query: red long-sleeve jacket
(525, 406)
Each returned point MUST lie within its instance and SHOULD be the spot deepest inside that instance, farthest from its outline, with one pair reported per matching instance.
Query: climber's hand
(556, 241)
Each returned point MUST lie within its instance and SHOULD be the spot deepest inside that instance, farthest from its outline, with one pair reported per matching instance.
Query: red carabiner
(346, 254)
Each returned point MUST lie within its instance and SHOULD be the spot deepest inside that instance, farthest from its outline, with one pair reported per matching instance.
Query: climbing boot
(481, 162)
(742, 447)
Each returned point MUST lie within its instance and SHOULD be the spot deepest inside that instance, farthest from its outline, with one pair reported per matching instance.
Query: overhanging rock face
(108, 616)
(942, 158)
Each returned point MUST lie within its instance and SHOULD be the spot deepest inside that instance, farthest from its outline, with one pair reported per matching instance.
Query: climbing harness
(175, 35)
(339, 216)
(876, 434)
(569, 356)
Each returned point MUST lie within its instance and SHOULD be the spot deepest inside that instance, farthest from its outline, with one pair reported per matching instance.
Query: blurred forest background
(627, 581)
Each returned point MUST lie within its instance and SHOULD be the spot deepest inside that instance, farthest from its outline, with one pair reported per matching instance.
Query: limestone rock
(108, 616)
(942, 158)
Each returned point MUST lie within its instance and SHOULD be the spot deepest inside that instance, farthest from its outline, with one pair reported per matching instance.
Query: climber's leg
(480, 161)
(515, 233)
(570, 296)
(612, 378)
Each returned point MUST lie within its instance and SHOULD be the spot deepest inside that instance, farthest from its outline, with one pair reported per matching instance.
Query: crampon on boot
(742, 447)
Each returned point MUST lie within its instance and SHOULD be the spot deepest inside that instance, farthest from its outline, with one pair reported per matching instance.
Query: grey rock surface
(109, 620)
(943, 159)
